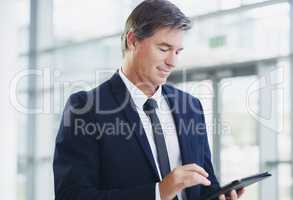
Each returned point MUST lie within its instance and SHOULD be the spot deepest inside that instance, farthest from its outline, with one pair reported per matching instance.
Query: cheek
(149, 59)
(156, 58)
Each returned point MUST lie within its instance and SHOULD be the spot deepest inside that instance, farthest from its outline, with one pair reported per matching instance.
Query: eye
(178, 52)
(163, 50)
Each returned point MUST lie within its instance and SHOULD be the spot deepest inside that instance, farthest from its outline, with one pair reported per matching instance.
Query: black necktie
(149, 108)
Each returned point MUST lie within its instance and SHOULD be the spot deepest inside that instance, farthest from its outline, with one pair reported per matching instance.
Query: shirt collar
(137, 95)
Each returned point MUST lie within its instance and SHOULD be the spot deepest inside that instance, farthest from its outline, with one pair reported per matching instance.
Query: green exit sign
(217, 42)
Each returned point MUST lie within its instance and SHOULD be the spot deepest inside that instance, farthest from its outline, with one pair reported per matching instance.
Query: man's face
(156, 56)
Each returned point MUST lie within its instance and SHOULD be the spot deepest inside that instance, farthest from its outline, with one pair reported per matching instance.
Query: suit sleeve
(76, 163)
(208, 166)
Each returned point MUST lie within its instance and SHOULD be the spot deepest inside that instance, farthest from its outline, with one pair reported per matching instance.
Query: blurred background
(237, 60)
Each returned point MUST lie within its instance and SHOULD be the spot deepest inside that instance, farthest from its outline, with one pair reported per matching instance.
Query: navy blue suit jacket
(102, 152)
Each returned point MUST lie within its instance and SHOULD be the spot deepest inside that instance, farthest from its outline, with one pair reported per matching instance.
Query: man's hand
(233, 195)
(181, 178)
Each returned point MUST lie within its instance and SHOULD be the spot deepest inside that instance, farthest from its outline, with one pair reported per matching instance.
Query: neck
(145, 86)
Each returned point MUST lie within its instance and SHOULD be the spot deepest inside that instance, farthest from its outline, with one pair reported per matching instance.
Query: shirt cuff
(158, 195)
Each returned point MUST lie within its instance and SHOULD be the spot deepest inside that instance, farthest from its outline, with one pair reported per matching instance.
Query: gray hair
(151, 15)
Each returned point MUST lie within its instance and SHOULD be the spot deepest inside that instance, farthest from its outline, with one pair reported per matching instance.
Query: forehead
(170, 36)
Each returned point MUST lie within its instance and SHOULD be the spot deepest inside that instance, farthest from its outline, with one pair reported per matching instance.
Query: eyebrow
(169, 45)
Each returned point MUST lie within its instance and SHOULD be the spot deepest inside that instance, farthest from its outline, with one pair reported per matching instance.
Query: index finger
(222, 197)
(196, 168)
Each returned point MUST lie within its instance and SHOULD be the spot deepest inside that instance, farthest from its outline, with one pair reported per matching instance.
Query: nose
(171, 59)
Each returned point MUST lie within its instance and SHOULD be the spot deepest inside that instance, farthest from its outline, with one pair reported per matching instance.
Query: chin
(161, 81)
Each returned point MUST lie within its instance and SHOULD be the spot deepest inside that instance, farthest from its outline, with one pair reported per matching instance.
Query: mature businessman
(134, 137)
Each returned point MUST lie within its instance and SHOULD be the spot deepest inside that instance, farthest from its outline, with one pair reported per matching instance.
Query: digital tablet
(236, 185)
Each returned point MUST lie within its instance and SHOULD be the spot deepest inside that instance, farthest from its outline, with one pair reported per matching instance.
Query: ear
(131, 40)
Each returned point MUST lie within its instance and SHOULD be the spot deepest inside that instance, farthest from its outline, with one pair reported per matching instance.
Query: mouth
(163, 70)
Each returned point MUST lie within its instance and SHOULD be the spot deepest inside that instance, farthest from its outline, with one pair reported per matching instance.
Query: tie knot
(150, 105)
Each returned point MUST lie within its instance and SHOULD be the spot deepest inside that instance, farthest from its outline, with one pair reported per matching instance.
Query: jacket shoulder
(179, 92)
(89, 98)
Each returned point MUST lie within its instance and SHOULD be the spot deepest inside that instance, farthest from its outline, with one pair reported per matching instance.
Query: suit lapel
(124, 100)
(174, 103)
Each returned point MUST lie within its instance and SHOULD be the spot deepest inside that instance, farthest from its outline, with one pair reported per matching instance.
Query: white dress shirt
(167, 122)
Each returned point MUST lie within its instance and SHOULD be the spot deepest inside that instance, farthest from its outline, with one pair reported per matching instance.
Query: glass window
(285, 181)
(44, 181)
(284, 136)
(79, 20)
(204, 91)
(22, 154)
(196, 7)
(23, 30)
(250, 35)
(238, 133)
(245, 2)
(284, 112)
(89, 56)
(228, 4)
